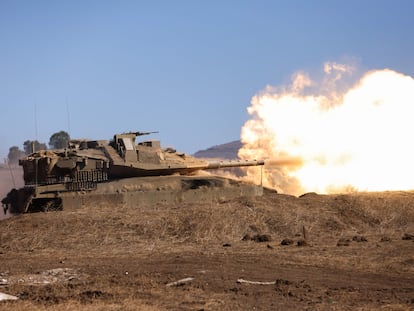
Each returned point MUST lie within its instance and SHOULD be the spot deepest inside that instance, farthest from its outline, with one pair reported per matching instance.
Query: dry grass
(326, 217)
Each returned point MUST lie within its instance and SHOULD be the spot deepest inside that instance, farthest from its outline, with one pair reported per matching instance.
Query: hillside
(342, 252)
(223, 151)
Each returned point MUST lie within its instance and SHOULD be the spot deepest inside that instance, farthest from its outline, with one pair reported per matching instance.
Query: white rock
(4, 296)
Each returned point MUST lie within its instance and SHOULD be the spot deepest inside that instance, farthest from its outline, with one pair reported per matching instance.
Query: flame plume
(340, 139)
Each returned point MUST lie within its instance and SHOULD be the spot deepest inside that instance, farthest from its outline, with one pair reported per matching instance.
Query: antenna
(68, 115)
(36, 140)
(35, 118)
(11, 174)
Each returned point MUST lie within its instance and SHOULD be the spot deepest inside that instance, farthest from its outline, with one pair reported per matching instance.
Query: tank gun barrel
(234, 163)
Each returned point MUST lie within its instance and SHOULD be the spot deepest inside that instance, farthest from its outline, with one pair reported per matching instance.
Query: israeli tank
(120, 171)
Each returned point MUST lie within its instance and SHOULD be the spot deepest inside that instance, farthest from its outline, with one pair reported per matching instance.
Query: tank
(54, 179)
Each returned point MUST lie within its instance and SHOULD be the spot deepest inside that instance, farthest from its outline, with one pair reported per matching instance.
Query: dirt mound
(101, 256)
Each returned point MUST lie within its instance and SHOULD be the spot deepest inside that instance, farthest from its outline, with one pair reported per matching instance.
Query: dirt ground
(339, 252)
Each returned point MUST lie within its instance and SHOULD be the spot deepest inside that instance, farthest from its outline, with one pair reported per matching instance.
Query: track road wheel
(53, 205)
(45, 205)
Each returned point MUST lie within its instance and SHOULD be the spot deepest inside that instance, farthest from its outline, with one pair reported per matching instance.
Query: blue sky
(187, 69)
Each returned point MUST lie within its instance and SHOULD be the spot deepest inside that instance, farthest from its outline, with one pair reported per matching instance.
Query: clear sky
(187, 69)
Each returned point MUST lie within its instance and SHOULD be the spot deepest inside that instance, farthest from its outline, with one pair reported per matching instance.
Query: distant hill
(223, 151)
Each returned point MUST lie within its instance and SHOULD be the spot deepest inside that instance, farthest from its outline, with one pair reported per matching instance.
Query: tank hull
(134, 192)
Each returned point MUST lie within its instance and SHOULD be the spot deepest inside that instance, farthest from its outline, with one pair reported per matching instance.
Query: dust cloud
(10, 177)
